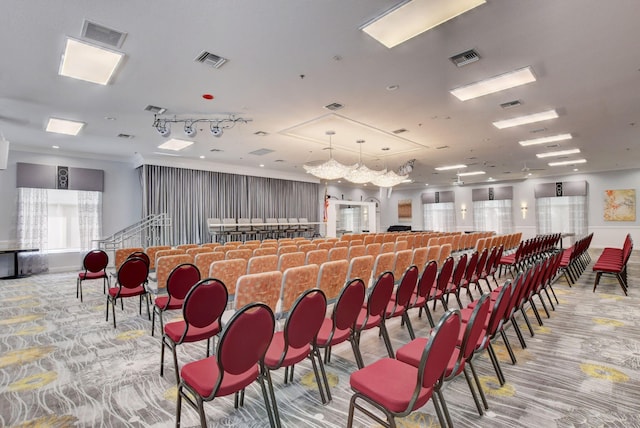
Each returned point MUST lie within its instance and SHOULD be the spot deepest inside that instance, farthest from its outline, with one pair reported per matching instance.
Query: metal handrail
(151, 230)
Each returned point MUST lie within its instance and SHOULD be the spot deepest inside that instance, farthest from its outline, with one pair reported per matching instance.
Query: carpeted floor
(62, 365)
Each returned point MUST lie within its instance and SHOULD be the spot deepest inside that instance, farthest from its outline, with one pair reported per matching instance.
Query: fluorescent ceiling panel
(88, 62)
(445, 168)
(63, 126)
(410, 18)
(558, 153)
(544, 140)
(465, 174)
(494, 84)
(175, 144)
(569, 162)
(523, 120)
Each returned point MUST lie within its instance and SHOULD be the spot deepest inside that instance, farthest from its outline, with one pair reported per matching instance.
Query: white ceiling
(289, 58)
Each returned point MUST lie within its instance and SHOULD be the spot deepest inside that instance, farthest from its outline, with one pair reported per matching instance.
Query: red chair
(425, 291)
(298, 341)
(397, 388)
(237, 363)
(341, 325)
(202, 319)
(468, 339)
(132, 279)
(179, 282)
(372, 314)
(141, 255)
(94, 265)
(398, 304)
(442, 283)
(456, 280)
(468, 275)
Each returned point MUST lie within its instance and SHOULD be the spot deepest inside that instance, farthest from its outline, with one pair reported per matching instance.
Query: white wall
(605, 233)
(121, 200)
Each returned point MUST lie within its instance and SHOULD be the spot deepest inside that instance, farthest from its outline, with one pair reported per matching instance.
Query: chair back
(265, 251)
(482, 262)
(380, 295)
(238, 254)
(259, 287)
(317, 257)
(289, 260)
(165, 264)
(445, 274)
(360, 267)
(244, 340)
(153, 250)
(141, 255)
(445, 252)
(133, 273)
(348, 305)
(205, 303)
(475, 327)
(123, 253)
(228, 271)
(471, 267)
(402, 262)
(198, 250)
(305, 248)
(438, 349)
(387, 247)
(332, 277)
(420, 258)
(407, 286)
(427, 279)
(185, 247)
(356, 251)
(458, 272)
(401, 245)
(339, 253)
(373, 249)
(305, 320)
(383, 263)
(295, 281)
(258, 264)
(433, 251)
(95, 261)
(499, 308)
(203, 261)
(285, 249)
(181, 279)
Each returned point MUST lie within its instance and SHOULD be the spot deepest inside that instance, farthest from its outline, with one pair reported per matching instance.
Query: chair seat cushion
(127, 292)
(202, 376)
(390, 383)
(412, 351)
(276, 348)
(161, 302)
(174, 331)
(325, 331)
(372, 321)
(92, 275)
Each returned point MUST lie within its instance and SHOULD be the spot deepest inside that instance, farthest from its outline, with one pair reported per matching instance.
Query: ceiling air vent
(537, 131)
(399, 131)
(261, 152)
(465, 58)
(103, 35)
(279, 160)
(128, 136)
(511, 104)
(260, 133)
(442, 147)
(215, 150)
(210, 59)
(155, 109)
(334, 106)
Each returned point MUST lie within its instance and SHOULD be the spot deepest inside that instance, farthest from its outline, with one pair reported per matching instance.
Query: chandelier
(331, 169)
(362, 174)
(389, 179)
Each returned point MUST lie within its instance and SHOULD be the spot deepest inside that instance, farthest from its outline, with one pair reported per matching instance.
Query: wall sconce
(523, 208)
(463, 211)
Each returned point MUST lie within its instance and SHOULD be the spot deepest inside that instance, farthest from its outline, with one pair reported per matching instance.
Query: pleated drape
(189, 197)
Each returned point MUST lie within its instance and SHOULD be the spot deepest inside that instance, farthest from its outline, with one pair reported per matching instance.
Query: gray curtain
(189, 197)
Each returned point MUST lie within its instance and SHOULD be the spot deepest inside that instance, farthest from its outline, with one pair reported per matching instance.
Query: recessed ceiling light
(523, 120)
(408, 180)
(491, 179)
(109, 118)
(63, 126)
(201, 157)
(465, 174)
(385, 149)
(569, 162)
(494, 84)
(411, 18)
(558, 153)
(261, 165)
(175, 144)
(55, 147)
(575, 169)
(544, 140)
(445, 168)
(426, 184)
(393, 87)
(88, 62)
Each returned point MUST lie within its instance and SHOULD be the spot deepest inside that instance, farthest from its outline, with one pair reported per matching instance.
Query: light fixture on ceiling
(413, 17)
(445, 168)
(64, 126)
(88, 62)
(494, 84)
(389, 179)
(361, 174)
(175, 144)
(331, 169)
(569, 162)
(544, 140)
(558, 153)
(466, 174)
(524, 120)
(190, 130)
(163, 124)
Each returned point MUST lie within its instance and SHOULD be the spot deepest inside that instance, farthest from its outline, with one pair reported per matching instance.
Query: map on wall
(620, 205)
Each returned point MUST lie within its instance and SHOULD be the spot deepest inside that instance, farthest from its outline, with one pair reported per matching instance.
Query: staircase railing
(151, 230)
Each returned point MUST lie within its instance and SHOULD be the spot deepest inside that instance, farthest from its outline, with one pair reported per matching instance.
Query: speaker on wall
(62, 181)
(4, 153)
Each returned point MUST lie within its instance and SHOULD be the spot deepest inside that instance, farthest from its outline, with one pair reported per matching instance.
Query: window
(440, 217)
(493, 216)
(63, 228)
(564, 214)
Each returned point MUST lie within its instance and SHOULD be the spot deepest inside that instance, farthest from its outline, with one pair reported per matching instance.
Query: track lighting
(216, 125)
(190, 130)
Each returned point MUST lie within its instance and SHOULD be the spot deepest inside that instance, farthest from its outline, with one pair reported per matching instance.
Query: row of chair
(613, 261)
(234, 229)
(528, 251)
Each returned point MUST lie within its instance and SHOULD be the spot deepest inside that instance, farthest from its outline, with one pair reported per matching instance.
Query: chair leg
(162, 357)
(405, 318)
(387, 341)
(267, 403)
(179, 406)
(272, 398)
(203, 418)
(445, 408)
(516, 327)
(473, 391)
(507, 345)
(175, 362)
(316, 373)
(356, 350)
(496, 364)
(479, 385)
(526, 319)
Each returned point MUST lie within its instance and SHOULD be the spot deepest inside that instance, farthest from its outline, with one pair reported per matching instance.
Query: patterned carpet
(62, 365)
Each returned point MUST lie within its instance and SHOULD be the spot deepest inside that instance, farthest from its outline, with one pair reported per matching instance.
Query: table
(15, 252)
(225, 228)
